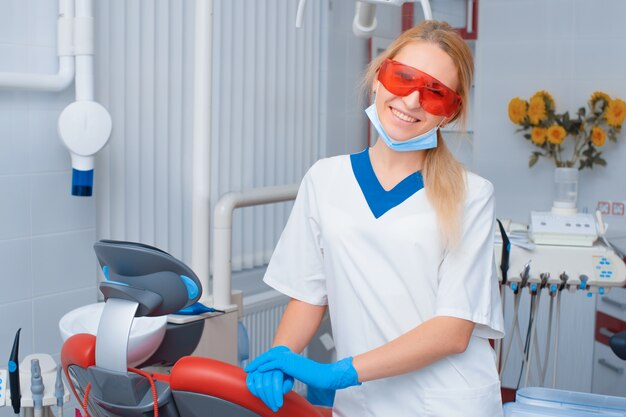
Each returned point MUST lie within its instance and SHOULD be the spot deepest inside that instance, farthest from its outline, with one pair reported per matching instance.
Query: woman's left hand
(336, 375)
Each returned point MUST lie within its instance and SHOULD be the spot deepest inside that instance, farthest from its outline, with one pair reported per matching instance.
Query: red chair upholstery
(197, 375)
(228, 382)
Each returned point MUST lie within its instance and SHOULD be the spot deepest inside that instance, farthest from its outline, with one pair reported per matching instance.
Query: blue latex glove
(334, 375)
(270, 386)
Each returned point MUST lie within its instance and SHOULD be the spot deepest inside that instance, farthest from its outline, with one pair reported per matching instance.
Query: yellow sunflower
(538, 135)
(615, 113)
(556, 134)
(596, 96)
(547, 98)
(598, 136)
(518, 110)
(536, 110)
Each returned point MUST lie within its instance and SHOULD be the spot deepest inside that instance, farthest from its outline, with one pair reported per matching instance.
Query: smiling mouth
(402, 116)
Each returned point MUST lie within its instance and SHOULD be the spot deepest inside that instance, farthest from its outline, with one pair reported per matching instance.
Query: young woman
(397, 243)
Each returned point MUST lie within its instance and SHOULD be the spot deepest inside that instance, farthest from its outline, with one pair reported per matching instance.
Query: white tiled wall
(47, 265)
(570, 48)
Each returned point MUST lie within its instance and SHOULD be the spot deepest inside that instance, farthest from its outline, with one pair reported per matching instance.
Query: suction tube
(14, 374)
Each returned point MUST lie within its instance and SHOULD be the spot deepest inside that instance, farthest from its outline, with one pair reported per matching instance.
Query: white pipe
(222, 228)
(201, 204)
(65, 75)
(84, 50)
(428, 13)
(300, 13)
(364, 23)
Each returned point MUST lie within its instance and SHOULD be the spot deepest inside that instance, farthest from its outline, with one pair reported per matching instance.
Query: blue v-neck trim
(378, 199)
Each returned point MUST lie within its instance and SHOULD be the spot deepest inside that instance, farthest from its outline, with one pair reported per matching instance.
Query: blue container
(603, 405)
(525, 410)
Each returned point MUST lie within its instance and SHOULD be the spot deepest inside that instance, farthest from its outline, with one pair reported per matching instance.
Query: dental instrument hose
(533, 331)
(548, 340)
(526, 348)
(515, 332)
(538, 361)
(556, 335)
(563, 277)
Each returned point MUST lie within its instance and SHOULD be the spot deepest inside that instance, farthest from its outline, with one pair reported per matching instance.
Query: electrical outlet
(617, 208)
(604, 207)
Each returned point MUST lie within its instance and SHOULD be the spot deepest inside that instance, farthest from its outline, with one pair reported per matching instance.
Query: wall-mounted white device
(547, 228)
(364, 23)
(85, 125)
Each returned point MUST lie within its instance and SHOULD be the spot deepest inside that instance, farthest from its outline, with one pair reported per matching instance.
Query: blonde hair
(444, 176)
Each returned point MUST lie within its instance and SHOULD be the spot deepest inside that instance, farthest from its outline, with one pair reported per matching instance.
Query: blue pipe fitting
(82, 183)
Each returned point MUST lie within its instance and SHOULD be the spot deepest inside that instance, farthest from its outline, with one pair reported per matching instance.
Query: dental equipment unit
(85, 125)
(143, 281)
(549, 270)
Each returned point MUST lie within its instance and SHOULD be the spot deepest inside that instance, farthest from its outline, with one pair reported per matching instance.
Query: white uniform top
(375, 257)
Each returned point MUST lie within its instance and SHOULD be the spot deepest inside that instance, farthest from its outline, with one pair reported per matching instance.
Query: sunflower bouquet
(548, 130)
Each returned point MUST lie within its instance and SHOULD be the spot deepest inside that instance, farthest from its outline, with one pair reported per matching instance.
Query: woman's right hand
(270, 386)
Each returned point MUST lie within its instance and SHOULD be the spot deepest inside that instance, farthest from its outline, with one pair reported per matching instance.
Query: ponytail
(444, 183)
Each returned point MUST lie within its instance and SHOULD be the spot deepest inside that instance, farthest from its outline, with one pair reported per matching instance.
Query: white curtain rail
(65, 46)
(222, 227)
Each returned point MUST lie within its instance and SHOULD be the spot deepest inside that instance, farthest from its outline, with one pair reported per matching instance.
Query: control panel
(595, 268)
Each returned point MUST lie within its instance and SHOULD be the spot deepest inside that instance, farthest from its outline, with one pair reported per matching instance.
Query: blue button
(12, 366)
(601, 291)
(607, 263)
(192, 288)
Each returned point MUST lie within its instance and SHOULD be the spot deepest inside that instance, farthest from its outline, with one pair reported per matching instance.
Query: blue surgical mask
(426, 140)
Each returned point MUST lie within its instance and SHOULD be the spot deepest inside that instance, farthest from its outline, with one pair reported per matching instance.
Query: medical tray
(571, 400)
(525, 410)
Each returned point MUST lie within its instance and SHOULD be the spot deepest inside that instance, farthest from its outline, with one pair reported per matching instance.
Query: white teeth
(403, 116)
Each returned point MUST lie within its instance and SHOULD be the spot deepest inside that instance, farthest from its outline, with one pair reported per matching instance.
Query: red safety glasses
(434, 97)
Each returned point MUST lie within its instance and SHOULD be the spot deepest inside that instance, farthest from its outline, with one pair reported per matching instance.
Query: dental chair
(144, 281)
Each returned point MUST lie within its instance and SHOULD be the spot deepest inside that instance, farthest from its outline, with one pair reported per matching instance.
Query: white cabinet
(609, 371)
(609, 376)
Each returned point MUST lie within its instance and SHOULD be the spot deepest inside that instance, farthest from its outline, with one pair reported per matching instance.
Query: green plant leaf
(527, 135)
(533, 159)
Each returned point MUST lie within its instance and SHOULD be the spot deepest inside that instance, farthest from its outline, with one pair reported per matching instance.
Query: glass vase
(565, 190)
